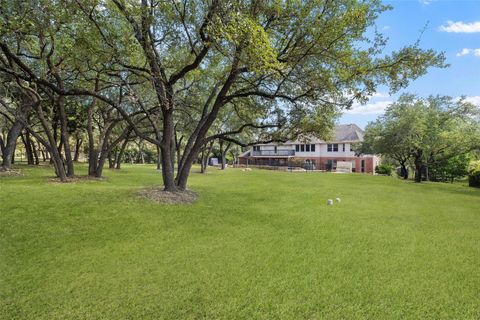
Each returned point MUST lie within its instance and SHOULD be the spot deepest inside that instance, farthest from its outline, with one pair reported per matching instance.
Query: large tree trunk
(65, 136)
(166, 151)
(9, 152)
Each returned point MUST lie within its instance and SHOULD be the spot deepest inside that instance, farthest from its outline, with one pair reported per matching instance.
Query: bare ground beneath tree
(75, 179)
(10, 173)
(160, 196)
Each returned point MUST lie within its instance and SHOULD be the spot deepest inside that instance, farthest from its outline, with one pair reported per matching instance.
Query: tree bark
(78, 145)
(65, 136)
(403, 170)
(2, 146)
(111, 161)
(9, 152)
(166, 151)
(54, 153)
(35, 152)
(418, 166)
(205, 155)
(224, 153)
(121, 152)
(28, 148)
(159, 158)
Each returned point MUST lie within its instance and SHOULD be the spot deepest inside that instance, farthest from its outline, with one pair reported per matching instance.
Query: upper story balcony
(273, 153)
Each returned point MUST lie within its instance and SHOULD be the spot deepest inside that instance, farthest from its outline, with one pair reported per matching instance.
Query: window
(275, 149)
(332, 147)
(302, 148)
(307, 148)
(312, 148)
(256, 148)
(343, 148)
(297, 147)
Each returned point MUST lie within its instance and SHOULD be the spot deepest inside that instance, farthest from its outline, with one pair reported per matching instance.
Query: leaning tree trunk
(120, 153)
(78, 145)
(9, 151)
(54, 153)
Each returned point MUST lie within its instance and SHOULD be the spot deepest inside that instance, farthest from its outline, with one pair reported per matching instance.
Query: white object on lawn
(338, 200)
(329, 202)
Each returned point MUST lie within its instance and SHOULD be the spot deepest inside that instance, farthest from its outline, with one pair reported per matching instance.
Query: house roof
(348, 132)
(343, 133)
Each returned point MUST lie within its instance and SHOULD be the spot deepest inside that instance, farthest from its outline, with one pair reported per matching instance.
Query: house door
(363, 165)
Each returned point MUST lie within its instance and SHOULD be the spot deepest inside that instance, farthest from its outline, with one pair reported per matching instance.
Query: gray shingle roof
(343, 133)
(348, 132)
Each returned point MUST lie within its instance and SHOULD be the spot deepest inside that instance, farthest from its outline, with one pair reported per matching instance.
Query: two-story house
(314, 153)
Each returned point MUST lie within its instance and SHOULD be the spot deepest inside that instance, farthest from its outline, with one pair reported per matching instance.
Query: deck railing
(273, 153)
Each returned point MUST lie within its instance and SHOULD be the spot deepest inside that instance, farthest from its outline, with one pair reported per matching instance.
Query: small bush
(385, 169)
(474, 174)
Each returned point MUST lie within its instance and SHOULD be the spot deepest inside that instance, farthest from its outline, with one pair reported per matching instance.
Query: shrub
(385, 169)
(449, 170)
(474, 174)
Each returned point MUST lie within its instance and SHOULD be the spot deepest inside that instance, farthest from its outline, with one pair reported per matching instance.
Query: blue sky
(452, 26)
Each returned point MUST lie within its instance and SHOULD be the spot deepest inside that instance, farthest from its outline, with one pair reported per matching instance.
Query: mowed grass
(256, 245)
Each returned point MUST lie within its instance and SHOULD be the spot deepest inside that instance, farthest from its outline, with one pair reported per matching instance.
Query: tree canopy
(278, 69)
(427, 131)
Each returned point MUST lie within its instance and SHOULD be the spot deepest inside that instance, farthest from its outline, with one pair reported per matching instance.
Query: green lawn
(257, 245)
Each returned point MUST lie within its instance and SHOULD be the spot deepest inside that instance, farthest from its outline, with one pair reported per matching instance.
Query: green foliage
(474, 174)
(428, 132)
(385, 169)
(451, 169)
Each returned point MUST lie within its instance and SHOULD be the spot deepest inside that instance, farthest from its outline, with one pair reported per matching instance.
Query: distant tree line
(437, 136)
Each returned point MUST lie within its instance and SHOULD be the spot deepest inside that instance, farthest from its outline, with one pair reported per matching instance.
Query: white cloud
(473, 99)
(385, 28)
(426, 2)
(461, 27)
(369, 108)
(466, 52)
